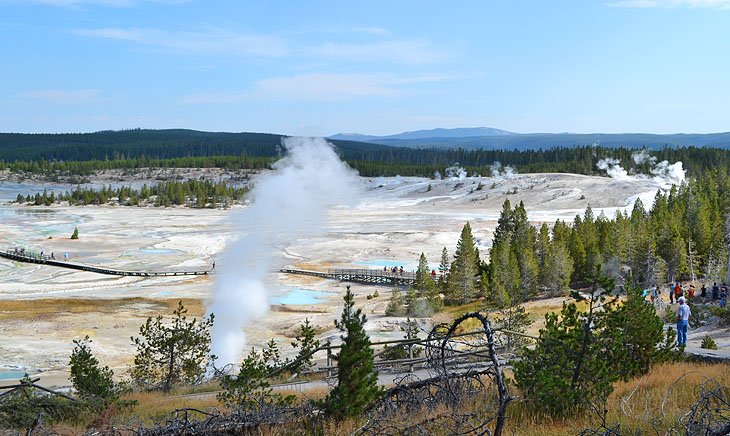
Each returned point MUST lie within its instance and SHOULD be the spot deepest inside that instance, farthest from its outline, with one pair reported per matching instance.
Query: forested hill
(159, 144)
(534, 141)
(85, 152)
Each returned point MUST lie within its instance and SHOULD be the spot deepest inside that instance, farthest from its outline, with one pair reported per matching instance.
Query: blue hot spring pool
(11, 374)
(299, 297)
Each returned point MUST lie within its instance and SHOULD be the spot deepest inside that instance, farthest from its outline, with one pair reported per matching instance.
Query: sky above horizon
(321, 67)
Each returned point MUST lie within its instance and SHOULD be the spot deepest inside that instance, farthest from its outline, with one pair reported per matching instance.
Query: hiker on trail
(677, 291)
(691, 291)
(703, 292)
(723, 295)
(671, 294)
(715, 292)
(655, 294)
(683, 314)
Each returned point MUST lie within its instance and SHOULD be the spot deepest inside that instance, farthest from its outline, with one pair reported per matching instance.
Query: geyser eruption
(288, 205)
(663, 173)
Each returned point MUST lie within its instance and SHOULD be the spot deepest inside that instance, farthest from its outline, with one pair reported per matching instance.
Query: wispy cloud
(82, 3)
(317, 87)
(394, 50)
(708, 4)
(210, 41)
(378, 31)
(65, 96)
(221, 41)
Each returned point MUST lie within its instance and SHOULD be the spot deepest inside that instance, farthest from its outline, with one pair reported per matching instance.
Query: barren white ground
(395, 220)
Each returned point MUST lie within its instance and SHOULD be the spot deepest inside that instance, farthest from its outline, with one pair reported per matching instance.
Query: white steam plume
(669, 174)
(642, 157)
(663, 173)
(455, 172)
(288, 205)
(613, 168)
(500, 172)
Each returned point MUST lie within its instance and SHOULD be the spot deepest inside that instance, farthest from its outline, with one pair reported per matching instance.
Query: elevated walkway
(21, 256)
(370, 276)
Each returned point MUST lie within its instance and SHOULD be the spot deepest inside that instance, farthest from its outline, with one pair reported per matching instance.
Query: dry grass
(52, 307)
(632, 404)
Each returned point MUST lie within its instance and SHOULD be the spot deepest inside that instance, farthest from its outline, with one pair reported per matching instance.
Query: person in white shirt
(683, 314)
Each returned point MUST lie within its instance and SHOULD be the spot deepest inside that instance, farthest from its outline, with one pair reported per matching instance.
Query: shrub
(168, 355)
(708, 343)
(249, 391)
(91, 381)
(26, 407)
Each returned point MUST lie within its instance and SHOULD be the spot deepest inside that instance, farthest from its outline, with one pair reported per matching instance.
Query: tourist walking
(703, 293)
(683, 314)
(677, 291)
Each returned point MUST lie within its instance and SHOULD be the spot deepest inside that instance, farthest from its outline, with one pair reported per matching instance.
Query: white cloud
(210, 41)
(81, 3)
(378, 31)
(317, 87)
(710, 4)
(65, 96)
(396, 51)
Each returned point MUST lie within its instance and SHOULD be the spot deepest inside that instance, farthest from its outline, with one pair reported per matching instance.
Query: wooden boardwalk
(48, 260)
(370, 276)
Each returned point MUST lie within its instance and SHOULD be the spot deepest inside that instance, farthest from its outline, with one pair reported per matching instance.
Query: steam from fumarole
(288, 205)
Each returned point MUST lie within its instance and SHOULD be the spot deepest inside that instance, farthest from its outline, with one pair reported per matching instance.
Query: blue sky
(375, 67)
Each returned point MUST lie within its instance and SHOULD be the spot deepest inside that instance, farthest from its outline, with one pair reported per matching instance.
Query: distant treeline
(191, 193)
(81, 154)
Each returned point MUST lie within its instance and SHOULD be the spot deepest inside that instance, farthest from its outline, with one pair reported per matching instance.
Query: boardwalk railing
(22, 255)
(371, 276)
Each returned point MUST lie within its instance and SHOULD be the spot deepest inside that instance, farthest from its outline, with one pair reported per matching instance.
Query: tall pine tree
(462, 285)
(357, 386)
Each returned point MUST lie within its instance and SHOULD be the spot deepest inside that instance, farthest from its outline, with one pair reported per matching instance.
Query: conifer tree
(75, 234)
(462, 285)
(306, 342)
(633, 336)
(168, 355)
(556, 272)
(424, 282)
(444, 267)
(565, 371)
(91, 381)
(357, 379)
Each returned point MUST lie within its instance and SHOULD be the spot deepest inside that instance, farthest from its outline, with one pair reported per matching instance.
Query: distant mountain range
(490, 139)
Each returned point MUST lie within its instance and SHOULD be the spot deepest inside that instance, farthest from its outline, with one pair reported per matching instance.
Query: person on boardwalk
(683, 314)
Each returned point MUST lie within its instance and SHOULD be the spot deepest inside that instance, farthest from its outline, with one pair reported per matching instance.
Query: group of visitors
(394, 270)
(42, 255)
(717, 294)
(682, 295)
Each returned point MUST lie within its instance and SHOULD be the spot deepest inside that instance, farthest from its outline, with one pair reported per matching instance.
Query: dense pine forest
(191, 193)
(81, 154)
